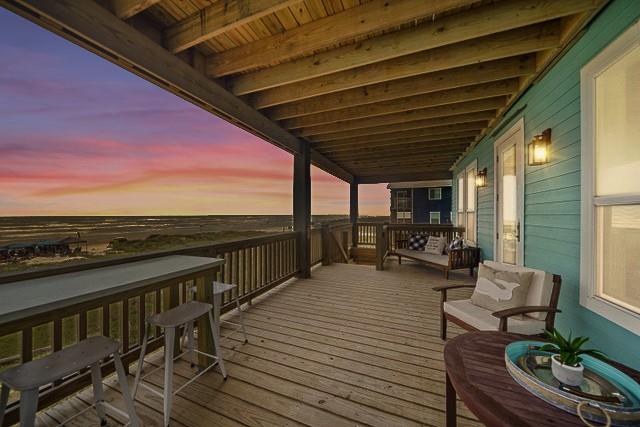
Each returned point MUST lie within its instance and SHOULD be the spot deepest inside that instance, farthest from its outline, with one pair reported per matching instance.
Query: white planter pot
(569, 375)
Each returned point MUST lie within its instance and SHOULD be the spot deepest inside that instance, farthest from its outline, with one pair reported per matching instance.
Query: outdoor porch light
(481, 178)
(539, 149)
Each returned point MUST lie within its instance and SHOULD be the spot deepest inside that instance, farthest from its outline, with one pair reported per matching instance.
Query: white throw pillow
(435, 245)
(498, 290)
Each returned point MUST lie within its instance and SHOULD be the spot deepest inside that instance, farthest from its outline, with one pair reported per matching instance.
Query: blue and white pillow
(417, 242)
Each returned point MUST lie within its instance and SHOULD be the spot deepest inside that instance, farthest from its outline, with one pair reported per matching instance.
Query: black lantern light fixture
(481, 178)
(539, 149)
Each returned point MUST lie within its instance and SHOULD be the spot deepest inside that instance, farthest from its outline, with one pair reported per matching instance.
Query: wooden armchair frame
(503, 315)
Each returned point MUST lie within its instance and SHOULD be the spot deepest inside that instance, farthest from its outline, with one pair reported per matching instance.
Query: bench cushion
(483, 320)
(442, 260)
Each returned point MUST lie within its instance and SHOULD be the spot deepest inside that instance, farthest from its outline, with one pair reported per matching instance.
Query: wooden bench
(456, 259)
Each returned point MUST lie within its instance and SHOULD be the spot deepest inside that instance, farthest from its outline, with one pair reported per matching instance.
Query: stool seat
(220, 288)
(58, 365)
(180, 315)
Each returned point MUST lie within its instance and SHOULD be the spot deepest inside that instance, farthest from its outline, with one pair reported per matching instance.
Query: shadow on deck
(350, 346)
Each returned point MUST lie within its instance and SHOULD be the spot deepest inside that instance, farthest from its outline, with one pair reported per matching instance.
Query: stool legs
(28, 407)
(169, 335)
(143, 352)
(216, 343)
(244, 332)
(124, 389)
(4, 398)
(98, 392)
(190, 343)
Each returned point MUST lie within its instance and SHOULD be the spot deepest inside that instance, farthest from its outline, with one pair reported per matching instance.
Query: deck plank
(349, 346)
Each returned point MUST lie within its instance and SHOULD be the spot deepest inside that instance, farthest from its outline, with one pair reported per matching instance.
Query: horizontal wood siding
(552, 192)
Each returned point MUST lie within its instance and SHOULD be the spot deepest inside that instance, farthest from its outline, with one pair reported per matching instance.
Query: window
(610, 257)
(404, 217)
(403, 200)
(435, 194)
(434, 217)
(467, 201)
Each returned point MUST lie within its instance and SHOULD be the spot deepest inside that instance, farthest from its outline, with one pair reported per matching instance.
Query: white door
(509, 191)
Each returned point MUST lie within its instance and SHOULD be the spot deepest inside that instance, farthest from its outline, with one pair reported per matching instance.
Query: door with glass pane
(510, 196)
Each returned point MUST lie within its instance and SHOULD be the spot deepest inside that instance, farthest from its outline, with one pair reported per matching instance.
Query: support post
(353, 212)
(327, 245)
(381, 247)
(302, 209)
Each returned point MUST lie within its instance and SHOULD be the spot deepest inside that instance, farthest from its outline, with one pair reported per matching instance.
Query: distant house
(421, 202)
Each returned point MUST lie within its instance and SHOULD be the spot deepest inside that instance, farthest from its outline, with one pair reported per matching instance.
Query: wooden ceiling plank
(406, 153)
(398, 127)
(477, 22)
(430, 113)
(219, 18)
(380, 177)
(91, 26)
(333, 148)
(125, 9)
(451, 96)
(496, 46)
(469, 75)
(327, 32)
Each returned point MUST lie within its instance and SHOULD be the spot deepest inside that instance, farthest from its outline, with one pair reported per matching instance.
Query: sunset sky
(81, 136)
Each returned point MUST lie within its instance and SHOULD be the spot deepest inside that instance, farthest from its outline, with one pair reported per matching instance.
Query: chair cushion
(540, 289)
(499, 290)
(483, 320)
(417, 242)
(423, 256)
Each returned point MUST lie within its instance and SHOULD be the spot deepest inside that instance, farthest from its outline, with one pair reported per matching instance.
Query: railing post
(302, 209)
(353, 212)
(327, 244)
(380, 246)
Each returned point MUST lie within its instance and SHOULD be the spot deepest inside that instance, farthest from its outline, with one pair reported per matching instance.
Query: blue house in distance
(420, 202)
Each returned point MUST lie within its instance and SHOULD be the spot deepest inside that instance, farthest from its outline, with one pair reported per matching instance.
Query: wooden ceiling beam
(439, 112)
(379, 177)
(374, 154)
(220, 17)
(417, 102)
(93, 27)
(468, 75)
(399, 127)
(125, 9)
(400, 166)
(471, 24)
(330, 149)
(496, 46)
(326, 32)
(422, 144)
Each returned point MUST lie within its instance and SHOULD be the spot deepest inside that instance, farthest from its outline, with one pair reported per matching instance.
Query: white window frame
(439, 193)
(589, 297)
(471, 166)
(431, 217)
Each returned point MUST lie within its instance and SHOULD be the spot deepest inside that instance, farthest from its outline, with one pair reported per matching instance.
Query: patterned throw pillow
(417, 242)
(498, 290)
(435, 245)
(456, 243)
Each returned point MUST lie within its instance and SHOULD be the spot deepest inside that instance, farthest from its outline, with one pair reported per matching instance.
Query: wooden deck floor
(350, 346)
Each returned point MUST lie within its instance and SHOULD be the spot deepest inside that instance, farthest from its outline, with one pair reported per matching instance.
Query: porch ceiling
(382, 90)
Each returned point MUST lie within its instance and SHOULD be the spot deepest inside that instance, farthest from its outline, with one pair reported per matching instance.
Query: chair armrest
(504, 315)
(464, 258)
(445, 288)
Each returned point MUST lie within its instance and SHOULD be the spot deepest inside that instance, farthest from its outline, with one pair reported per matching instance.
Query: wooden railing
(336, 242)
(255, 265)
(316, 246)
(366, 233)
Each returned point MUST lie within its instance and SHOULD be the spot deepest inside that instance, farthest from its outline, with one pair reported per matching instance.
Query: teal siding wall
(552, 192)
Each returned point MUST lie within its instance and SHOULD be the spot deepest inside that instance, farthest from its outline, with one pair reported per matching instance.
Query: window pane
(461, 193)
(471, 190)
(470, 232)
(460, 220)
(617, 150)
(434, 217)
(619, 255)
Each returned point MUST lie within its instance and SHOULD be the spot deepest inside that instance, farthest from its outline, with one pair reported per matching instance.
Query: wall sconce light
(539, 149)
(481, 178)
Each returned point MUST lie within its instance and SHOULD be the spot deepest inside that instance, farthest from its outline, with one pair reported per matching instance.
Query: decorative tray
(606, 395)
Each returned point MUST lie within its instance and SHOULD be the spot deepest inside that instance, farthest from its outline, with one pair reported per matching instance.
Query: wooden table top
(27, 298)
(476, 368)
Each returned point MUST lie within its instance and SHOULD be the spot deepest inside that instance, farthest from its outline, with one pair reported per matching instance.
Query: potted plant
(566, 364)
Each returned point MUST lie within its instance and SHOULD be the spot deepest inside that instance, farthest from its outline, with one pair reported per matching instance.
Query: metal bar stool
(219, 289)
(170, 320)
(29, 377)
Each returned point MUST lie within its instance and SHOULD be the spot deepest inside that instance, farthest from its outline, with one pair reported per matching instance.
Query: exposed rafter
(125, 9)
(218, 18)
